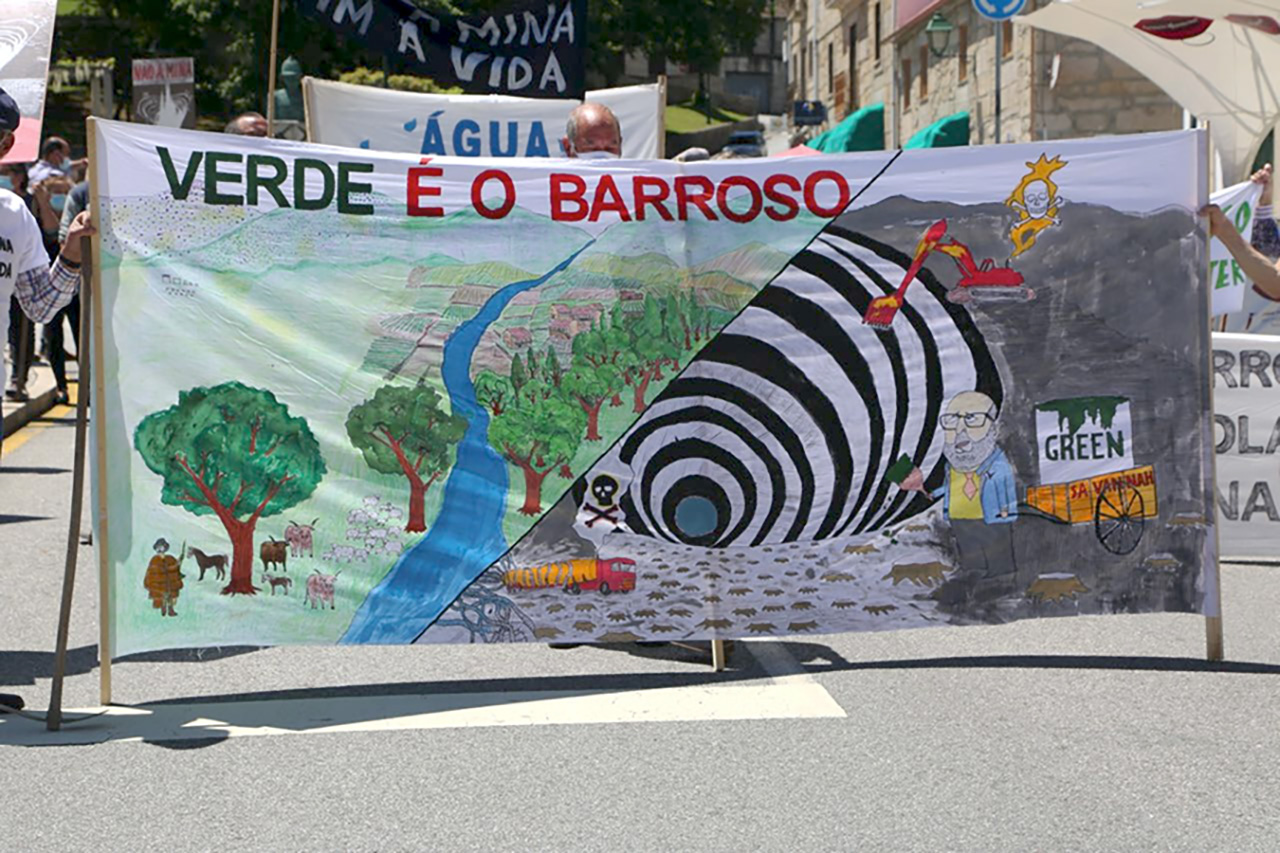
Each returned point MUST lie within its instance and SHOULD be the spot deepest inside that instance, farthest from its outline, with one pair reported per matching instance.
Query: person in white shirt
(24, 265)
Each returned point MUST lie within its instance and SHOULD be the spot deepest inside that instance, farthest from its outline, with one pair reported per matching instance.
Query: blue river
(466, 537)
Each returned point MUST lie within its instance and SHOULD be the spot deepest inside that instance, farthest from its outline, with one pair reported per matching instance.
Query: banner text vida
(231, 178)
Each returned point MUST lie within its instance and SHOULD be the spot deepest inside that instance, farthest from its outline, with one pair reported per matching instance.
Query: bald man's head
(592, 129)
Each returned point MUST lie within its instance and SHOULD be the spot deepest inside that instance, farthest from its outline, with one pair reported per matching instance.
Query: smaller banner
(1246, 404)
(472, 125)
(530, 48)
(26, 37)
(164, 92)
(1083, 437)
(1227, 280)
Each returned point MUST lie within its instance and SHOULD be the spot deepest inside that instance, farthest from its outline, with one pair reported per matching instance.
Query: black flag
(534, 49)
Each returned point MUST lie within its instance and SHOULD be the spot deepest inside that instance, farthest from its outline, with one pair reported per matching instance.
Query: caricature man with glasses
(979, 495)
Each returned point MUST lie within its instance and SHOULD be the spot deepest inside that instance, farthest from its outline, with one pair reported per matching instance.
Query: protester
(692, 155)
(41, 289)
(592, 133)
(22, 335)
(77, 200)
(1257, 261)
(55, 159)
(51, 196)
(248, 124)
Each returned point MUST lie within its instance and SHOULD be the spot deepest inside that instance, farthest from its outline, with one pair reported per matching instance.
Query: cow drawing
(300, 538)
(278, 581)
(217, 562)
(320, 589)
(274, 552)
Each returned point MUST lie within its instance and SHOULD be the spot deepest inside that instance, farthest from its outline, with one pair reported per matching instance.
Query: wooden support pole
(717, 655)
(271, 72)
(1214, 647)
(54, 718)
(662, 116)
(99, 389)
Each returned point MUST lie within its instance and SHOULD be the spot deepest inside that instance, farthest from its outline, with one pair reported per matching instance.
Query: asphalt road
(1057, 734)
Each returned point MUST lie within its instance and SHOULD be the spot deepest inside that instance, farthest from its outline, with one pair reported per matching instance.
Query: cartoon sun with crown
(1037, 201)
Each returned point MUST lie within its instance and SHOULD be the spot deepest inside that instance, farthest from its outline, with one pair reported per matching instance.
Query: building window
(1006, 28)
(924, 71)
(804, 70)
(962, 52)
(875, 26)
(853, 68)
(906, 83)
(831, 69)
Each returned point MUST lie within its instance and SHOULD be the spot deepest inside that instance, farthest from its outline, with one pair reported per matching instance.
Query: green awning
(863, 130)
(943, 133)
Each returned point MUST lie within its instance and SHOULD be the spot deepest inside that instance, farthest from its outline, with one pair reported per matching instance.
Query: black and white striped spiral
(782, 429)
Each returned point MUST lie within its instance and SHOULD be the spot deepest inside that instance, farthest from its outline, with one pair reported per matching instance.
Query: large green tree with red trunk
(404, 430)
(590, 385)
(537, 434)
(654, 343)
(233, 452)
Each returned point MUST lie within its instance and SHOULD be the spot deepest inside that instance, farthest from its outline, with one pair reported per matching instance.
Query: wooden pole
(308, 92)
(271, 72)
(99, 389)
(662, 116)
(54, 718)
(1213, 642)
(717, 655)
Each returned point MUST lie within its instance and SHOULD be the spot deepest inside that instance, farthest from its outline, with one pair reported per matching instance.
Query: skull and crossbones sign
(603, 488)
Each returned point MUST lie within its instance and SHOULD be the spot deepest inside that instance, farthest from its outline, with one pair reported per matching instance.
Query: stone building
(856, 53)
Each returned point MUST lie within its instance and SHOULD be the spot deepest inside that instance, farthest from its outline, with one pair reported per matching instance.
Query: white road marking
(789, 694)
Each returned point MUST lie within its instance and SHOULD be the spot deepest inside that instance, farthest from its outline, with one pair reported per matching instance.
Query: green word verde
(236, 179)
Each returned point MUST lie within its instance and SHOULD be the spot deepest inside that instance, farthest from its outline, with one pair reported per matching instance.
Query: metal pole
(54, 719)
(999, 61)
(271, 72)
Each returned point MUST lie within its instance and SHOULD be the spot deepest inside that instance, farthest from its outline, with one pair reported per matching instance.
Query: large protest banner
(530, 48)
(1246, 388)
(471, 125)
(26, 38)
(349, 397)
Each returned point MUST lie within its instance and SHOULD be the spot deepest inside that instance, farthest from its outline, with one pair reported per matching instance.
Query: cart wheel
(1119, 518)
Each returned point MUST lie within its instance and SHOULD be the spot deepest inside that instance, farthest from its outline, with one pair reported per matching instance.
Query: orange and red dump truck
(575, 575)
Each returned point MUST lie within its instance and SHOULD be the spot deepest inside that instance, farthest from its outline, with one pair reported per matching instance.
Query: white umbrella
(1219, 59)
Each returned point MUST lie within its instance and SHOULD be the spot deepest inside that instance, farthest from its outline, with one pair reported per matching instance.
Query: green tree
(518, 374)
(651, 347)
(403, 82)
(590, 386)
(234, 452)
(696, 33)
(552, 369)
(537, 436)
(535, 372)
(493, 391)
(403, 430)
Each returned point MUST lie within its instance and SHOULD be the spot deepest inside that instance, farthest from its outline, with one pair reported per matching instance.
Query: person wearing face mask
(592, 133)
(55, 159)
(51, 200)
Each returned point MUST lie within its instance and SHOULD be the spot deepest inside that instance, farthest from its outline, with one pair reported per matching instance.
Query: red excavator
(985, 281)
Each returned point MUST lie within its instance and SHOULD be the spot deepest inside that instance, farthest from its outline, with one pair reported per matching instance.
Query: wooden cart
(1117, 504)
